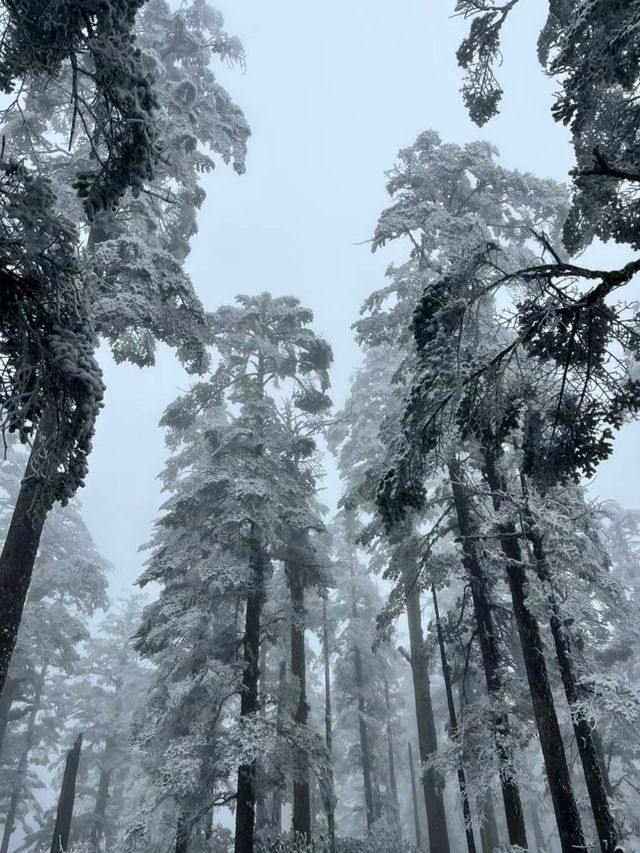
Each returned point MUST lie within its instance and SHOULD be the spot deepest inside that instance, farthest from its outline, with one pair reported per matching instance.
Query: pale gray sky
(332, 90)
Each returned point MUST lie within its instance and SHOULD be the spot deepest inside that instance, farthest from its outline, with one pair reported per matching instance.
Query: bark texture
(590, 755)
(328, 727)
(301, 793)
(491, 658)
(427, 736)
(414, 793)
(555, 760)
(250, 703)
(23, 537)
(453, 727)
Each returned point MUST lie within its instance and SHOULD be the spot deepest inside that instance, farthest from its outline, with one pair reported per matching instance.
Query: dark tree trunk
(365, 753)
(453, 727)
(250, 703)
(427, 736)
(23, 537)
(329, 794)
(208, 829)
(100, 811)
(6, 701)
(555, 760)
(491, 659)
(392, 762)
(276, 807)
(262, 818)
(590, 756)
(301, 793)
(182, 834)
(604, 769)
(414, 793)
(64, 815)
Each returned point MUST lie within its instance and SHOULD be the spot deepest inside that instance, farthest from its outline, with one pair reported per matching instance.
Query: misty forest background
(385, 604)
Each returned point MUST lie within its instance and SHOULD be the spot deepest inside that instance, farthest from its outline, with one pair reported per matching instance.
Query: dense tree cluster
(442, 661)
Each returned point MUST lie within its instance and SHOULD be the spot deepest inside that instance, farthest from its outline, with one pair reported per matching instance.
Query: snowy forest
(379, 594)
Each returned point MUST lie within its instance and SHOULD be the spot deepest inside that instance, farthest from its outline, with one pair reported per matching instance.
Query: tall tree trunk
(365, 752)
(555, 760)
(301, 793)
(392, 762)
(453, 726)
(64, 815)
(427, 736)
(328, 728)
(414, 794)
(491, 659)
(262, 818)
(250, 701)
(604, 769)
(23, 763)
(276, 807)
(591, 758)
(6, 701)
(23, 537)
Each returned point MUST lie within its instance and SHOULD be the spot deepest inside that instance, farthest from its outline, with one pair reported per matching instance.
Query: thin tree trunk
(427, 736)
(250, 702)
(23, 537)
(328, 728)
(64, 815)
(365, 753)
(23, 763)
(491, 660)
(301, 793)
(102, 798)
(590, 757)
(392, 763)
(416, 815)
(276, 808)
(555, 760)
(453, 726)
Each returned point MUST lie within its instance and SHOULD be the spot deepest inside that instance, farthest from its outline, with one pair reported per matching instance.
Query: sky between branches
(332, 91)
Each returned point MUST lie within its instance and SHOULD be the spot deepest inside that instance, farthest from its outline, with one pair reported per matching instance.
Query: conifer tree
(137, 292)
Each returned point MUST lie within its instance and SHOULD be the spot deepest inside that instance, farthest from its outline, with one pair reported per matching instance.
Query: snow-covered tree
(242, 483)
(139, 293)
(69, 586)
(365, 691)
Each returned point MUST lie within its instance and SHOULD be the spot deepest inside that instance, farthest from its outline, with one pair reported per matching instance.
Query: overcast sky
(332, 91)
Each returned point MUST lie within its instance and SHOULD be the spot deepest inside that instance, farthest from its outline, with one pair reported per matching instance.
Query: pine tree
(139, 292)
